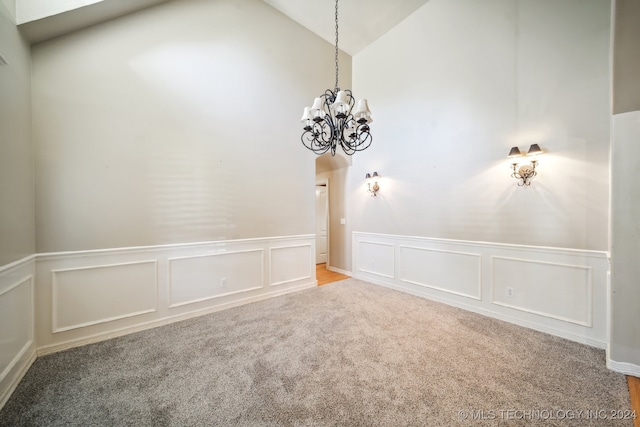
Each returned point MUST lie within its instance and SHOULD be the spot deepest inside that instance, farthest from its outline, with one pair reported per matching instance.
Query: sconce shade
(534, 149)
(372, 183)
(515, 151)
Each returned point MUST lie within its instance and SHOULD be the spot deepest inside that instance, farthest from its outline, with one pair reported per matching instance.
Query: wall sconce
(524, 172)
(373, 189)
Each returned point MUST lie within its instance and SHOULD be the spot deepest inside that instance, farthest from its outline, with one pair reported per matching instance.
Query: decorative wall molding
(380, 258)
(144, 287)
(569, 294)
(570, 285)
(215, 275)
(107, 292)
(18, 350)
(427, 271)
(290, 264)
(118, 332)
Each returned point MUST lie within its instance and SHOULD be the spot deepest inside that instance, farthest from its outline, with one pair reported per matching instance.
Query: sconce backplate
(525, 171)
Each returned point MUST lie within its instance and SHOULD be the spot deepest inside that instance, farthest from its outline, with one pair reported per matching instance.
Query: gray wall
(626, 57)
(625, 197)
(17, 238)
(176, 124)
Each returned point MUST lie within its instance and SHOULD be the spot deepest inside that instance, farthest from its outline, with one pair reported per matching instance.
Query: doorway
(322, 221)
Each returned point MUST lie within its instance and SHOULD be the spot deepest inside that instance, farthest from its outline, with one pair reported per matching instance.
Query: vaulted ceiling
(361, 21)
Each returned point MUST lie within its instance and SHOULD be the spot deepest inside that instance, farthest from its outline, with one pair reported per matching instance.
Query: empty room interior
(164, 208)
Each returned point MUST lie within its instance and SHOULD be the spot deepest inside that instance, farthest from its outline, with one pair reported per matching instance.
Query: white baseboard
(339, 270)
(563, 293)
(42, 351)
(19, 371)
(17, 319)
(151, 286)
(622, 367)
(510, 319)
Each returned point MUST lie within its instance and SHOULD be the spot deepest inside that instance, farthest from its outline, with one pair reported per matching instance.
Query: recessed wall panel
(203, 277)
(454, 272)
(16, 314)
(559, 291)
(290, 264)
(376, 258)
(89, 295)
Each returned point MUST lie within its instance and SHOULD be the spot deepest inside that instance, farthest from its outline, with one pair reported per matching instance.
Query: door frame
(325, 182)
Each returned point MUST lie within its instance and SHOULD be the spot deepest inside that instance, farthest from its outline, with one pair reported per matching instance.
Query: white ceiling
(360, 21)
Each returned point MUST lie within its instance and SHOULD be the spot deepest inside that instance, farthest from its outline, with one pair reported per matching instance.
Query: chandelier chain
(336, 86)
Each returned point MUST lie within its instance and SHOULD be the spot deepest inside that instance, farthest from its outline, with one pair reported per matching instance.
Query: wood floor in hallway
(324, 276)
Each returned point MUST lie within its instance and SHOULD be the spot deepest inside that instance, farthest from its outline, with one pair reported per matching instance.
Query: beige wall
(16, 156)
(462, 82)
(626, 57)
(176, 124)
(625, 197)
(10, 7)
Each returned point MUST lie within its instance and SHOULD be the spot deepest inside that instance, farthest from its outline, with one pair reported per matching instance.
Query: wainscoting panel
(102, 293)
(376, 258)
(89, 296)
(559, 291)
(290, 264)
(199, 278)
(16, 303)
(17, 348)
(432, 268)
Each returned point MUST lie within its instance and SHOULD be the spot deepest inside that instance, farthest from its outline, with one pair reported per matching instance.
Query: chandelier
(332, 121)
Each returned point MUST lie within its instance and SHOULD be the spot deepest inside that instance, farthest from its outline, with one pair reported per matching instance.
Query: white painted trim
(510, 319)
(54, 294)
(284, 282)
(623, 367)
(393, 259)
(180, 304)
(137, 249)
(589, 270)
(339, 270)
(42, 351)
(28, 361)
(17, 264)
(18, 283)
(29, 281)
(544, 249)
(16, 359)
(596, 263)
(477, 297)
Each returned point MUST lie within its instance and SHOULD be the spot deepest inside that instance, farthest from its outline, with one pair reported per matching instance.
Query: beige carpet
(348, 353)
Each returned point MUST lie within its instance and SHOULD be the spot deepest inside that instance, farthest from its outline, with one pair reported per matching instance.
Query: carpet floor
(349, 353)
